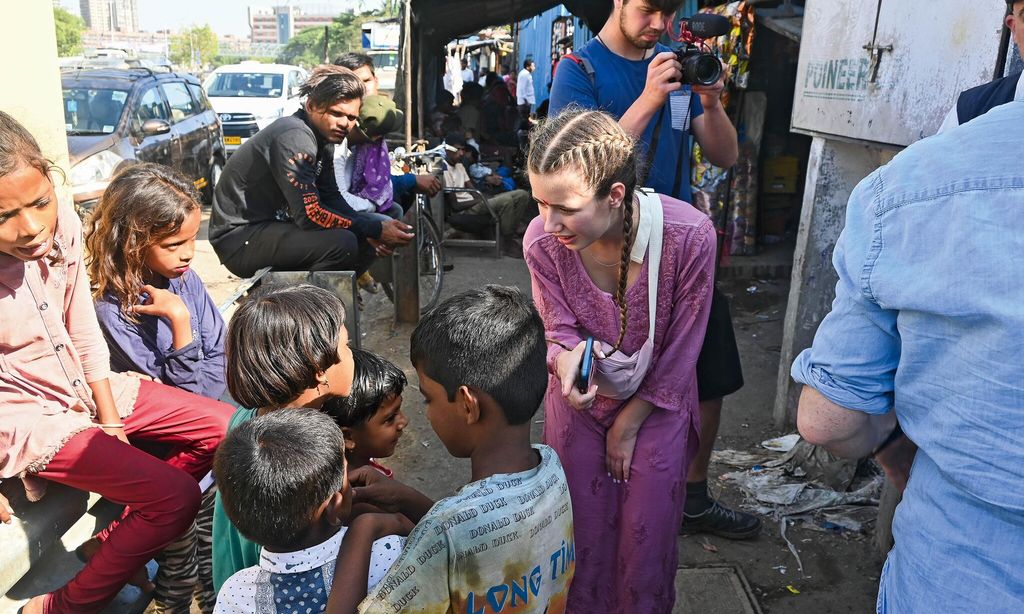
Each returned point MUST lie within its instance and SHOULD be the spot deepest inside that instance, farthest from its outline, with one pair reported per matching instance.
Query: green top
(231, 551)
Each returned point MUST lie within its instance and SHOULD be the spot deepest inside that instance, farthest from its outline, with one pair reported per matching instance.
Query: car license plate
(232, 140)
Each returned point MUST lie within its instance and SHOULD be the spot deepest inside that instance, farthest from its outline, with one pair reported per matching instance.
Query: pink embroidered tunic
(626, 533)
(51, 348)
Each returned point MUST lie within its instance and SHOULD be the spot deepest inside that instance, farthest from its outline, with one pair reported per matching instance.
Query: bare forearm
(717, 137)
(106, 410)
(352, 568)
(844, 432)
(632, 416)
(636, 119)
(415, 504)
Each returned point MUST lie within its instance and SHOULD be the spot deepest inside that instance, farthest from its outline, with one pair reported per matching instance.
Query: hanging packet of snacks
(711, 189)
(735, 47)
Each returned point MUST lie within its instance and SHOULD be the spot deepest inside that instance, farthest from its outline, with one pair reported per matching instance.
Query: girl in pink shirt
(64, 417)
(633, 270)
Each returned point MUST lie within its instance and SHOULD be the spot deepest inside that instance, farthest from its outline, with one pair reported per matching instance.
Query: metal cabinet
(888, 71)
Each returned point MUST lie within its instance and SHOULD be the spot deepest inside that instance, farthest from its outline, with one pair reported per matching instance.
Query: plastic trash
(781, 444)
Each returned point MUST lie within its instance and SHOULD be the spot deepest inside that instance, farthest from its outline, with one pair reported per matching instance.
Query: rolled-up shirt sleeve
(856, 350)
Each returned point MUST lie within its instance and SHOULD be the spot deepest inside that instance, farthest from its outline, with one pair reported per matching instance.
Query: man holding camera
(627, 73)
(982, 99)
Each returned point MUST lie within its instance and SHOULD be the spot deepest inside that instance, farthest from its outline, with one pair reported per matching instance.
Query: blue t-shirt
(616, 85)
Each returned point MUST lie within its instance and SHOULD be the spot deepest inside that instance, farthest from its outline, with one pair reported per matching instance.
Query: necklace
(607, 264)
(643, 52)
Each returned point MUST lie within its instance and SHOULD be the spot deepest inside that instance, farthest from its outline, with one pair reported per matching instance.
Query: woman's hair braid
(593, 145)
(620, 292)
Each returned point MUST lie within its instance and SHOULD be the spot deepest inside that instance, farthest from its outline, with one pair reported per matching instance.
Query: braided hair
(595, 146)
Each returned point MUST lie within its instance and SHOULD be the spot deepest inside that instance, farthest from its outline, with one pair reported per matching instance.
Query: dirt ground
(840, 570)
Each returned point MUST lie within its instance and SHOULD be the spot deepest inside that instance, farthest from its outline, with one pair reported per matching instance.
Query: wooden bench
(67, 516)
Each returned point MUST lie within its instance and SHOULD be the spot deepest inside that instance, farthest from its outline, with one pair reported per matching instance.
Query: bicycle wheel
(430, 261)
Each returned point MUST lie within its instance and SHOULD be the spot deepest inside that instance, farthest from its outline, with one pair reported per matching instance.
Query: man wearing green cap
(361, 163)
(362, 65)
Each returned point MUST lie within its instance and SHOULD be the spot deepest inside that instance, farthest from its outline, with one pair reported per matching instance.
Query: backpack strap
(584, 63)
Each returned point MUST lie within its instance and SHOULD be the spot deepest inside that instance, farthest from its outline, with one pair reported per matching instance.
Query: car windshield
(92, 111)
(246, 84)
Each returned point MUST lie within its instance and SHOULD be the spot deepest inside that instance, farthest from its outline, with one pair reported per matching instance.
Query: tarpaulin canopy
(439, 21)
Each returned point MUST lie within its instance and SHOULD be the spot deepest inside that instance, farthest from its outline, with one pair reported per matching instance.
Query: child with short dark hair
(284, 486)
(505, 540)
(286, 347)
(371, 415)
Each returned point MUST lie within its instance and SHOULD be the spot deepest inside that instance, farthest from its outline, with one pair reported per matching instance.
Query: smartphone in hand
(586, 374)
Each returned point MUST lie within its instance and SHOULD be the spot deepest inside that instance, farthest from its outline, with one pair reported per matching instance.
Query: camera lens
(699, 68)
(706, 69)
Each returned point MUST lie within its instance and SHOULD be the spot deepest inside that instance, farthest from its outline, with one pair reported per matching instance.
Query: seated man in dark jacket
(278, 202)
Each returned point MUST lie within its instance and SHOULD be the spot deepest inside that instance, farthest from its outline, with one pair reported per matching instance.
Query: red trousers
(162, 496)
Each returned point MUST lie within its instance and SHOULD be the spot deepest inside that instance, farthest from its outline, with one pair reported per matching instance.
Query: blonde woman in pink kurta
(625, 458)
(64, 417)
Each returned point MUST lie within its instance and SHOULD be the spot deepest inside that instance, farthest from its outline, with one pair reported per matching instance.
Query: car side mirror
(153, 127)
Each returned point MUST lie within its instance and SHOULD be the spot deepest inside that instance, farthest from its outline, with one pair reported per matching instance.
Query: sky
(224, 16)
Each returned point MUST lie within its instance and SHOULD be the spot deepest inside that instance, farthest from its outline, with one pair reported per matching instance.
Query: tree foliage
(194, 47)
(307, 47)
(69, 32)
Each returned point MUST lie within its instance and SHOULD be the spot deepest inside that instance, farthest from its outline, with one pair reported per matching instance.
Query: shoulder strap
(650, 204)
(584, 63)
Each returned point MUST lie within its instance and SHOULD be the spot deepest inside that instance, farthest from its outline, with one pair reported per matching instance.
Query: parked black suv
(115, 117)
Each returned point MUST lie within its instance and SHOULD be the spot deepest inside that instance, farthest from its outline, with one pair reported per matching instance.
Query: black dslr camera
(700, 65)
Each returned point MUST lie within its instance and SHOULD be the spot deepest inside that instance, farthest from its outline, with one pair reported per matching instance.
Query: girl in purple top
(625, 444)
(155, 312)
(159, 320)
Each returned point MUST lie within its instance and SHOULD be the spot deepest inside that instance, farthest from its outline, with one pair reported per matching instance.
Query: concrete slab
(714, 589)
(59, 564)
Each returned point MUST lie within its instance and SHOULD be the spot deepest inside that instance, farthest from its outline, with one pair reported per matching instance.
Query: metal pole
(1004, 48)
(327, 34)
(408, 73)
(420, 103)
(405, 263)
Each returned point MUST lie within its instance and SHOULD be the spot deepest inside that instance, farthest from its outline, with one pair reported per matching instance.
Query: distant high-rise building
(280, 23)
(110, 15)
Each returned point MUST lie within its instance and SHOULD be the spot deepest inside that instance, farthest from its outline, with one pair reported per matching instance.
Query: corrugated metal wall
(534, 41)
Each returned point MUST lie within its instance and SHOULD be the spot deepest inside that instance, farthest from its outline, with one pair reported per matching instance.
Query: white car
(250, 96)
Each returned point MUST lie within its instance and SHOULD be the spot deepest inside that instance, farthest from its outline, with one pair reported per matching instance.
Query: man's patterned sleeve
(294, 164)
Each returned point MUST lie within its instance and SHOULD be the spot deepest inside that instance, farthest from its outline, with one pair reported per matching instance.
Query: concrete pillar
(31, 92)
(833, 170)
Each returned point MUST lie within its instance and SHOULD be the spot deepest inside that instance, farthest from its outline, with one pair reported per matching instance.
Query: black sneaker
(723, 522)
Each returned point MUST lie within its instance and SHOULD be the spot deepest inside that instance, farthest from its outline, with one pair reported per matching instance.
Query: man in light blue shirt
(927, 328)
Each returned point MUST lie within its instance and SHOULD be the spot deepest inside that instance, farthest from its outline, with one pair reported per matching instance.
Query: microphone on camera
(706, 25)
